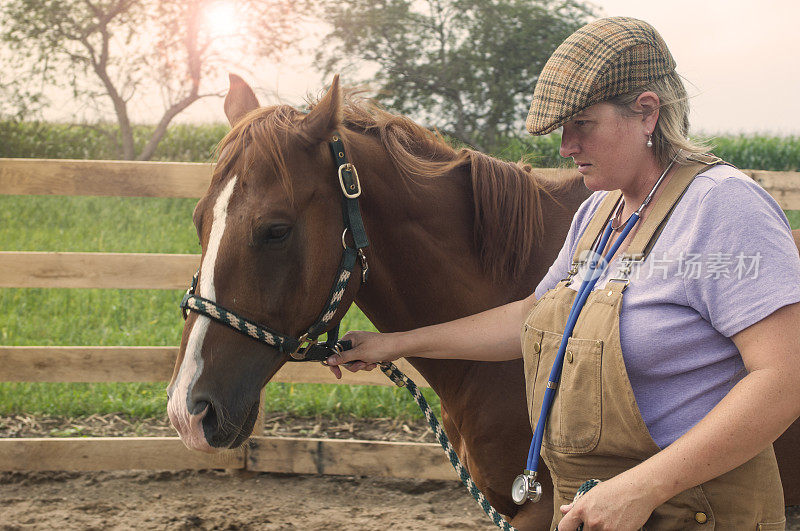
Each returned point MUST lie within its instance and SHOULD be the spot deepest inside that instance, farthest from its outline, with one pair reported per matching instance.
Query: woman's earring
(649, 140)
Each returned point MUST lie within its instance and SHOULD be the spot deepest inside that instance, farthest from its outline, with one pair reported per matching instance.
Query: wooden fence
(148, 364)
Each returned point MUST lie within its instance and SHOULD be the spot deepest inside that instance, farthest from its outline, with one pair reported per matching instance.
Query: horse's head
(270, 227)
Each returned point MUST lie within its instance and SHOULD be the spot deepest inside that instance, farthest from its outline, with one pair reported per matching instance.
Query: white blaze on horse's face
(189, 423)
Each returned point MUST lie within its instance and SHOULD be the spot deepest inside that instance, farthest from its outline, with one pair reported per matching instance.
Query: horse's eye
(279, 232)
(271, 234)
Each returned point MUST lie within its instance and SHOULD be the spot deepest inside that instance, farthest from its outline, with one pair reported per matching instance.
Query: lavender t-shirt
(724, 261)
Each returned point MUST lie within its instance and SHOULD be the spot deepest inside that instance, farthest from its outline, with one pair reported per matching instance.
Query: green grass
(97, 224)
(148, 400)
(30, 316)
(76, 400)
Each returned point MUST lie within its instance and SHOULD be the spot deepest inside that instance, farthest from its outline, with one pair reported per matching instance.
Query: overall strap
(657, 218)
(596, 225)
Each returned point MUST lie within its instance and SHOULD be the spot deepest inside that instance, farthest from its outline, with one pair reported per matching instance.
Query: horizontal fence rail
(348, 457)
(109, 453)
(291, 455)
(148, 364)
(151, 364)
(187, 179)
(103, 178)
(784, 186)
(96, 270)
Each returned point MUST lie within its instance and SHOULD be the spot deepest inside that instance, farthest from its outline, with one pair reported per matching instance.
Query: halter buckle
(301, 350)
(353, 190)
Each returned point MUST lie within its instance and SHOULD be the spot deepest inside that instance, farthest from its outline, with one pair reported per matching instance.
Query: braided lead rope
(401, 380)
(583, 489)
(586, 487)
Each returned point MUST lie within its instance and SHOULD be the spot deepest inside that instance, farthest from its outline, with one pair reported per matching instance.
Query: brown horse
(452, 234)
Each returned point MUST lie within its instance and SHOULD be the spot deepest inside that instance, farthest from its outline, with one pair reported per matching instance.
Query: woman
(681, 369)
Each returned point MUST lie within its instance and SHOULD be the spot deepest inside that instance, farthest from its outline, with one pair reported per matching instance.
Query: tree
(467, 67)
(111, 50)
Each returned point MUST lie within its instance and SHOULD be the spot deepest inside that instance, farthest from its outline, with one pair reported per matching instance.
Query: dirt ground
(218, 500)
(227, 500)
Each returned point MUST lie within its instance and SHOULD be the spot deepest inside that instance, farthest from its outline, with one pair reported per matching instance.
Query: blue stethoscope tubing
(580, 300)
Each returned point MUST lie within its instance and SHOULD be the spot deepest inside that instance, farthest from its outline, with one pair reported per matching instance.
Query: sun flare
(223, 19)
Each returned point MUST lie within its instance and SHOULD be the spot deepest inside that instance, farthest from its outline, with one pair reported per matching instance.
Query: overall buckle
(572, 272)
(628, 262)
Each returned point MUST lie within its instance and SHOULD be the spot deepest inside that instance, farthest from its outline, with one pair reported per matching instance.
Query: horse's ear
(240, 99)
(325, 117)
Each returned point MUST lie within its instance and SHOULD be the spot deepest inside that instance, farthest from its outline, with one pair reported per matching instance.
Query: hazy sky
(741, 60)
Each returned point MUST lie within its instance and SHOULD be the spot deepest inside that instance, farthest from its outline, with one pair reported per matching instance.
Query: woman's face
(608, 147)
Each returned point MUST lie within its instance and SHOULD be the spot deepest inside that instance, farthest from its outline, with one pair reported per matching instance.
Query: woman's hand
(617, 504)
(369, 349)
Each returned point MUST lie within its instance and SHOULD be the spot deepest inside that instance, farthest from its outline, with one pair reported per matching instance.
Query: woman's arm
(751, 416)
(492, 335)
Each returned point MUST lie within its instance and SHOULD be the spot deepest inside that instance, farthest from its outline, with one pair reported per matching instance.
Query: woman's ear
(648, 104)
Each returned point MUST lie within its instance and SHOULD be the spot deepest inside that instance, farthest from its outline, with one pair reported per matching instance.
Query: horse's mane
(507, 196)
(265, 131)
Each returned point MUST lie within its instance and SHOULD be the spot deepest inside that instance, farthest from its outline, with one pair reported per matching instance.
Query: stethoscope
(525, 486)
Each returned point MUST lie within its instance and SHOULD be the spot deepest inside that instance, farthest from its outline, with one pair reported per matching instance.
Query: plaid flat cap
(603, 59)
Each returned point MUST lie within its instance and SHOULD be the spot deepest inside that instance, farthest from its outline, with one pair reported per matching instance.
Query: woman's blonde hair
(670, 136)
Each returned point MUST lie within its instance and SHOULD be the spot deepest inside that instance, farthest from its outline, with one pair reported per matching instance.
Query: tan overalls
(595, 429)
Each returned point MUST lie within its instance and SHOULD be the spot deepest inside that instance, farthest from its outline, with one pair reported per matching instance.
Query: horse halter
(305, 347)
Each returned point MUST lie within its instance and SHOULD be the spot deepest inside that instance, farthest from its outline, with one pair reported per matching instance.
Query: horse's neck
(424, 265)
(424, 268)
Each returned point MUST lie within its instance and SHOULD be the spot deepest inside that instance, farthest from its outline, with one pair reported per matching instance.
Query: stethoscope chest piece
(525, 487)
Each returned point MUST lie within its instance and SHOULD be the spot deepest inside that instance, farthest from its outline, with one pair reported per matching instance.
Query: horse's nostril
(210, 424)
(199, 407)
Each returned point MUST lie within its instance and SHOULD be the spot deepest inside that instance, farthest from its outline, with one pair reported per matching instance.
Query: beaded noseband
(305, 347)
